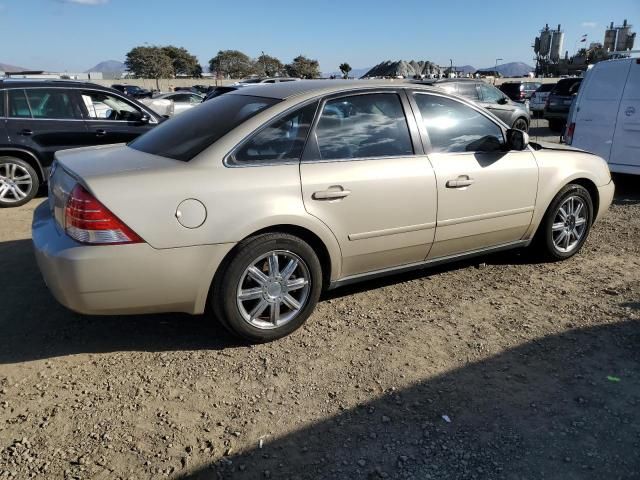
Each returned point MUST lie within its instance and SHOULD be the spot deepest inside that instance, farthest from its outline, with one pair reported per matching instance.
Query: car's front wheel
(566, 224)
(521, 124)
(19, 182)
(268, 288)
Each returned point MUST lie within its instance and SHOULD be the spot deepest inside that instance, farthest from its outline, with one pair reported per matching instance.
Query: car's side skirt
(426, 264)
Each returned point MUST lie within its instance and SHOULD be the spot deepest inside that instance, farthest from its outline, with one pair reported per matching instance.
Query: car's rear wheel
(268, 288)
(521, 124)
(19, 182)
(566, 224)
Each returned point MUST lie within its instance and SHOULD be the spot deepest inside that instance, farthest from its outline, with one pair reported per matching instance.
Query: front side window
(363, 126)
(282, 140)
(18, 105)
(52, 103)
(455, 127)
(491, 94)
(186, 135)
(104, 106)
(2, 114)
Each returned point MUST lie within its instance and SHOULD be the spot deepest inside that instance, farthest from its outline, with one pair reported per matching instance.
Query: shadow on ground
(562, 407)
(627, 189)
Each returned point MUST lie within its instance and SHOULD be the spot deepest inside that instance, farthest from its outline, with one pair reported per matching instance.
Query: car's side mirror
(503, 101)
(145, 118)
(517, 139)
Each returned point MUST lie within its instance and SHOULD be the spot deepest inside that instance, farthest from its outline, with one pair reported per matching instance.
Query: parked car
(133, 91)
(519, 91)
(539, 97)
(261, 198)
(161, 106)
(605, 119)
(513, 114)
(255, 80)
(559, 101)
(181, 101)
(39, 118)
(217, 91)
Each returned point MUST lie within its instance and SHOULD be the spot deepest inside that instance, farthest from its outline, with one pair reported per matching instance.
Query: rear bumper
(123, 279)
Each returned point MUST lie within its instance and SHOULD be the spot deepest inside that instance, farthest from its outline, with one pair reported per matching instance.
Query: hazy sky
(74, 35)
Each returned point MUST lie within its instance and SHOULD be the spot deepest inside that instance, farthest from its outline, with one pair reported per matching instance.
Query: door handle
(26, 132)
(332, 193)
(460, 182)
(101, 132)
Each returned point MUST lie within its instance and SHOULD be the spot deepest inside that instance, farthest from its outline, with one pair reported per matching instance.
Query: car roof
(26, 83)
(282, 91)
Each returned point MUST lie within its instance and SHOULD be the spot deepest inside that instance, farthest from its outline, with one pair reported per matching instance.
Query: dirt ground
(497, 368)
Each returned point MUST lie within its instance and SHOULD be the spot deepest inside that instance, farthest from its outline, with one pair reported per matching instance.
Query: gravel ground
(496, 368)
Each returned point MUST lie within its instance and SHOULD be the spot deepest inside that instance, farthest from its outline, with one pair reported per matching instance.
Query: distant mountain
(512, 69)
(402, 68)
(109, 68)
(355, 73)
(5, 67)
(465, 68)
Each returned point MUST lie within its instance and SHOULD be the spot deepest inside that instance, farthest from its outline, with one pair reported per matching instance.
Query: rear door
(112, 118)
(4, 137)
(365, 176)
(625, 150)
(486, 195)
(597, 107)
(44, 120)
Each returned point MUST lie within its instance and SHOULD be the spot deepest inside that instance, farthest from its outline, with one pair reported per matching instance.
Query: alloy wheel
(569, 224)
(15, 182)
(273, 289)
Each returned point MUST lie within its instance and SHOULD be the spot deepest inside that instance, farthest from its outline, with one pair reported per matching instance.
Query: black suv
(133, 91)
(559, 101)
(519, 91)
(37, 118)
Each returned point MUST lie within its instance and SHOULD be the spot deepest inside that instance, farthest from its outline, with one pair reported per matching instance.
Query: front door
(363, 175)
(44, 120)
(486, 195)
(112, 118)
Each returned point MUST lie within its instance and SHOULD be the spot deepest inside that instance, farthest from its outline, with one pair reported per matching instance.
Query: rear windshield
(189, 133)
(546, 87)
(568, 86)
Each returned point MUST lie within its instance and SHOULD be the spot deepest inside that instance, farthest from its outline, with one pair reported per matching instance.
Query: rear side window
(510, 88)
(363, 126)
(52, 103)
(186, 135)
(468, 90)
(281, 140)
(18, 105)
(2, 110)
(455, 127)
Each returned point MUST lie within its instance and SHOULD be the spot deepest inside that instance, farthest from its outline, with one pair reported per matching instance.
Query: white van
(605, 117)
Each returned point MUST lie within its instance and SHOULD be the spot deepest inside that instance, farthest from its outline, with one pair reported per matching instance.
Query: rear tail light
(568, 136)
(88, 221)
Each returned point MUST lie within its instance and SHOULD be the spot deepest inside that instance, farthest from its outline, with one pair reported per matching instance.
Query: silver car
(514, 114)
(258, 200)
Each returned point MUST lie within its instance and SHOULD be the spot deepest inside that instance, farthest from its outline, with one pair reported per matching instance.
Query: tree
(269, 66)
(149, 62)
(232, 64)
(183, 62)
(303, 67)
(345, 68)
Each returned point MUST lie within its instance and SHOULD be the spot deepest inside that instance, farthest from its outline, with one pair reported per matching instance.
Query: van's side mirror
(517, 139)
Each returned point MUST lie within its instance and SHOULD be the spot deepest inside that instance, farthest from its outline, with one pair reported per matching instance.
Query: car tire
(261, 299)
(521, 124)
(19, 182)
(561, 235)
(556, 125)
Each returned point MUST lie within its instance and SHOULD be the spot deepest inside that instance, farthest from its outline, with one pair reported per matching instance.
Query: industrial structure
(548, 47)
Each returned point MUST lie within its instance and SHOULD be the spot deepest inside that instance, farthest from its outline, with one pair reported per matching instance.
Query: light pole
(495, 70)
(450, 68)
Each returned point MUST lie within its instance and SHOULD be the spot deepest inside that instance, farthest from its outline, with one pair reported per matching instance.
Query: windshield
(251, 80)
(189, 133)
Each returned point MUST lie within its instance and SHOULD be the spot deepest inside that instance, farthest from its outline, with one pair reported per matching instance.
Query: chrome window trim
(117, 94)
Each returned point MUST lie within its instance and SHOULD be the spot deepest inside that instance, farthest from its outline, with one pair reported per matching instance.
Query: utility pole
(264, 64)
(450, 68)
(495, 70)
